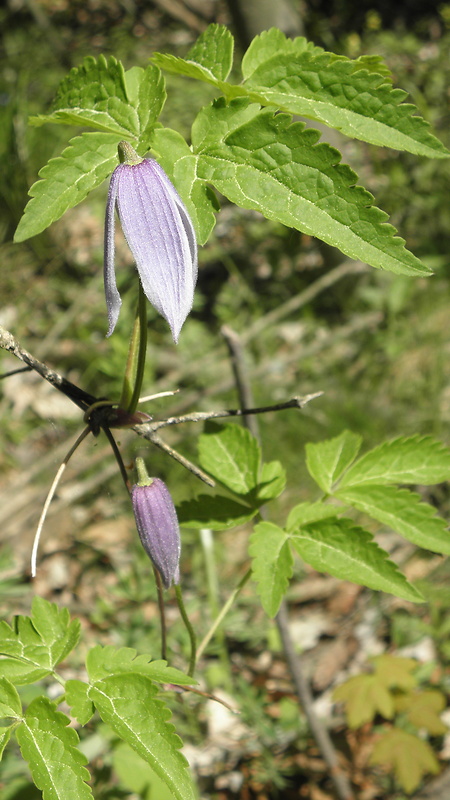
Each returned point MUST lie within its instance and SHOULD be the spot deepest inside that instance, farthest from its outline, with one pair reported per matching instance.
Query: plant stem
(206, 639)
(134, 370)
(189, 628)
(162, 614)
(207, 542)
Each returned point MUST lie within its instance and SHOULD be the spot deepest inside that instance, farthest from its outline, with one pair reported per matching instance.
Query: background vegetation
(377, 345)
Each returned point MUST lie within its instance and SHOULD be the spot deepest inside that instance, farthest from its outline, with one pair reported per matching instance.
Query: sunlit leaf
(121, 701)
(348, 552)
(326, 461)
(272, 564)
(231, 455)
(50, 748)
(259, 160)
(101, 662)
(65, 181)
(403, 511)
(414, 459)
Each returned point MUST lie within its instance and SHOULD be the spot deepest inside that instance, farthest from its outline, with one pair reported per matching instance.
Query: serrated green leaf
(217, 512)
(5, 735)
(33, 647)
(410, 757)
(403, 511)
(10, 704)
(65, 181)
(271, 43)
(364, 696)
(304, 513)
(272, 564)
(101, 662)
(179, 66)
(214, 51)
(135, 774)
(272, 481)
(259, 160)
(180, 164)
(121, 701)
(81, 706)
(147, 94)
(348, 552)
(326, 461)
(340, 93)
(50, 748)
(94, 94)
(95, 80)
(423, 708)
(56, 629)
(416, 459)
(231, 455)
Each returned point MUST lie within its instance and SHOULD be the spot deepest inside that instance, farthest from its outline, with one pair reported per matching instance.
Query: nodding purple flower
(160, 235)
(157, 524)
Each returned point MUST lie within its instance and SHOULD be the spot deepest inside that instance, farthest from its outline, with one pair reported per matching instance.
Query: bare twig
(81, 398)
(302, 689)
(146, 428)
(242, 383)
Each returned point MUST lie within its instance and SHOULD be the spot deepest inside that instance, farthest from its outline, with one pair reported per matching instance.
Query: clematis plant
(160, 235)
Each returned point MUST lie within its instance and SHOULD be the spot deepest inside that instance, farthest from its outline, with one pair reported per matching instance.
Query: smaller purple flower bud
(157, 524)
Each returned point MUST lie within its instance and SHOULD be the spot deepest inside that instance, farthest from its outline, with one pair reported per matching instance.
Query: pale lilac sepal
(159, 532)
(161, 237)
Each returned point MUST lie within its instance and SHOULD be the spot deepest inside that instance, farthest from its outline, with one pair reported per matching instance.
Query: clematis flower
(159, 233)
(157, 524)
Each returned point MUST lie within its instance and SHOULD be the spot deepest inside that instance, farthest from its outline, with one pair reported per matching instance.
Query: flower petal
(113, 301)
(161, 237)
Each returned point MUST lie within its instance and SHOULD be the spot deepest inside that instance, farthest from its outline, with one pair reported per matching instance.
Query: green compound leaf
(94, 94)
(348, 552)
(326, 461)
(416, 459)
(50, 748)
(10, 704)
(65, 181)
(81, 707)
(403, 511)
(346, 96)
(34, 646)
(231, 455)
(180, 164)
(101, 662)
(217, 512)
(272, 564)
(364, 696)
(304, 513)
(258, 160)
(409, 757)
(128, 704)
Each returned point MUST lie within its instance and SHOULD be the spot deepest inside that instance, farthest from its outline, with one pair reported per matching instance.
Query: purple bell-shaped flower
(160, 235)
(157, 524)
